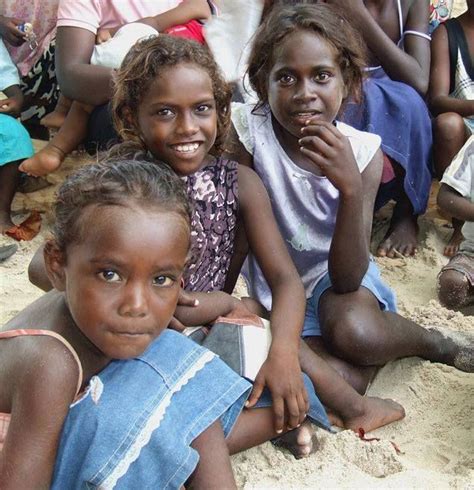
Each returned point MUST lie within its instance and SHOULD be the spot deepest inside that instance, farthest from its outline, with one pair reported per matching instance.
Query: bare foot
(44, 162)
(376, 412)
(298, 441)
(456, 348)
(5, 222)
(401, 237)
(53, 120)
(452, 247)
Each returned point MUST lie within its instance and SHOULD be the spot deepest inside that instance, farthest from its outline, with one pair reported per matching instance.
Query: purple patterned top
(213, 192)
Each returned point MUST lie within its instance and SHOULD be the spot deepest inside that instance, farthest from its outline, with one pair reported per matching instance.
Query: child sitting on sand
(456, 196)
(451, 96)
(322, 177)
(15, 143)
(112, 45)
(121, 240)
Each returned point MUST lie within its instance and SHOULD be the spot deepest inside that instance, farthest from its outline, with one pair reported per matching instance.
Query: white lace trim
(152, 424)
(241, 125)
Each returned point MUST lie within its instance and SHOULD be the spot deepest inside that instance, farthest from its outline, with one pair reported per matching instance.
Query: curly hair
(324, 20)
(116, 182)
(145, 61)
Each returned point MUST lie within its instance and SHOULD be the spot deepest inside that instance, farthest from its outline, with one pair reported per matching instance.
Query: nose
(134, 302)
(305, 91)
(187, 124)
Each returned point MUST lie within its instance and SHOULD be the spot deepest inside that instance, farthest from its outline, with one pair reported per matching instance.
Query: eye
(203, 108)
(324, 76)
(286, 79)
(109, 276)
(163, 281)
(165, 112)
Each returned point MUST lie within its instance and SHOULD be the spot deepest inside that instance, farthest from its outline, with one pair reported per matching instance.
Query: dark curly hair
(324, 20)
(116, 182)
(145, 62)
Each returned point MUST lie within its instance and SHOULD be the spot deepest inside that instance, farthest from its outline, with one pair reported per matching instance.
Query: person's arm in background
(438, 95)
(410, 65)
(184, 12)
(78, 79)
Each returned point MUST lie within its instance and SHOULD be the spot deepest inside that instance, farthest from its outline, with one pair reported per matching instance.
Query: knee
(448, 126)
(453, 289)
(347, 330)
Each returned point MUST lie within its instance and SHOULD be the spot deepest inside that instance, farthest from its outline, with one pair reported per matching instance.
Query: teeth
(188, 148)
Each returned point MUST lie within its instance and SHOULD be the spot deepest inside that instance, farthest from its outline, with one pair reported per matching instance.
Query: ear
(127, 115)
(55, 263)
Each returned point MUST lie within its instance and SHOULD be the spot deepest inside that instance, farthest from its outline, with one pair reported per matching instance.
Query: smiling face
(305, 82)
(121, 280)
(177, 118)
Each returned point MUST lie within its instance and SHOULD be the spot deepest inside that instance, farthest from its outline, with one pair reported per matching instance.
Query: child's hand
(281, 373)
(184, 299)
(103, 35)
(9, 31)
(11, 106)
(332, 154)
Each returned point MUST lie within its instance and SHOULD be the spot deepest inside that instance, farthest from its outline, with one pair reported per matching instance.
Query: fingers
(258, 386)
(293, 412)
(279, 414)
(187, 299)
(175, 324)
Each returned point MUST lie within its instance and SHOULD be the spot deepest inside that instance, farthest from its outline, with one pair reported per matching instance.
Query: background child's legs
(9, 180)
(449, 135)
(214, 469)
(72, 132)
(55, 119)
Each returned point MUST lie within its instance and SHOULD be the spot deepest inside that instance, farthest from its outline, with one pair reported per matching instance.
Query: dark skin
(9, 31)
(9, 174)
(454, 290)
(349, 314)
(81, 81)
(449, 130)
(377, 21)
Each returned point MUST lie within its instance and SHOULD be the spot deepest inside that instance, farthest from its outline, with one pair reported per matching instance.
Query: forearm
(13, 91)
(78, 79)
(287, 315)
(211, 306)
(349, 252)
(456, 205)
(443, 103)
(398, 65)
(184, 12)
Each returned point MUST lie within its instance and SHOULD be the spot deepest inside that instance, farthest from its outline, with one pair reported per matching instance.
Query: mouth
(301, 117)
(186, 148)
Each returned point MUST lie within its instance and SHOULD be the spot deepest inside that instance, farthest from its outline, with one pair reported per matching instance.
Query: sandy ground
(436, 439)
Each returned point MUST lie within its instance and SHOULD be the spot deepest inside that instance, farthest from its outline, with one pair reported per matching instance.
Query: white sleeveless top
(304, 204)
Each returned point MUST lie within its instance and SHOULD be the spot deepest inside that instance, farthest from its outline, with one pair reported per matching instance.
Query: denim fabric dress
(135, 423)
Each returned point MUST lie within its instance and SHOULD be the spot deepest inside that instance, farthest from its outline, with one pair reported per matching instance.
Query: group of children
(157, 233)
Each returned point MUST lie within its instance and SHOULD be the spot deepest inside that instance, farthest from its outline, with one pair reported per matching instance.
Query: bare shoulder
(35, 367)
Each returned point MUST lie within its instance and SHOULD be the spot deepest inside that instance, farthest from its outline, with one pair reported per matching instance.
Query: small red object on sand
(367, 439)
(28, 229)
(361, 434)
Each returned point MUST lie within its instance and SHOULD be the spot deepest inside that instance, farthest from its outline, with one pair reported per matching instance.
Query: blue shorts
(371, 281)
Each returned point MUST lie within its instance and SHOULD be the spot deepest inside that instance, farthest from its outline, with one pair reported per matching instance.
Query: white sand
(436, 438)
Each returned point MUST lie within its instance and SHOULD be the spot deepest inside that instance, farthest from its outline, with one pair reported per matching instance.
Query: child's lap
(371, 281)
